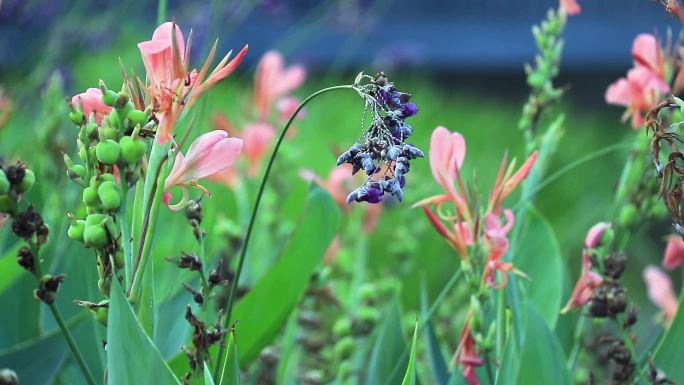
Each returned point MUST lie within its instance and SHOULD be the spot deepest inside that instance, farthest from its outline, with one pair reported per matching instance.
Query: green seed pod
(628, 214)
(344, 348)
(77, 117)
(76, 172)
(90, 196)
(91, 131)
(109, 195)
(108, 151)
(5, 204)
(108, 97)
(76, 229)
(119, 260)
(101, 313)
(367, 292)
(95, 219)
(115, 119)
(92, 154)
(132, 150)
(476, 311)
(4, 183)
(110, 132)
(27, 182)
(136, 117)
(95, 235)
(122, 100)
(342, 327)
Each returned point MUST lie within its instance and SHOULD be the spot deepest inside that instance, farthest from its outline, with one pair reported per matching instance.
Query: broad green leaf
(11, 271)
(523, 364)
(410, 376)
(668, 355)
(388, 349)
(230, 374)
(132, 358)
(438, 366)
(259, 314)
(38, 361)
(208, 380)
(538, 256)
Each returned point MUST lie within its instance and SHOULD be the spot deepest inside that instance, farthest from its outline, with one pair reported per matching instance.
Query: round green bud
(108, 151)
(4, 183)
(367, 292)
(95, 234)
(136, 117)
(107, 178)
(27, 182)
(342, 327)
(92, 153)
(109, 195)
(119, 260)
(95, 219)
(78, 170)
(76, 229)
(628, 214)
(344, 348)
(110, 132)
(132, 150)
(109, 97)
(5, 204)
(368, 315)
(83, 154)
(90, 196)
(77, 117)
(536, 79)
(91, 131)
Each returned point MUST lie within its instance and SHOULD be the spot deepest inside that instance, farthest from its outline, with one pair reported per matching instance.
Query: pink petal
(220, 156)
(519, 176)
(674, 252)
(91, 102)
(570, 7)
(273, 81)
(447, 152)
(227, 69)
(583, 290)
(594, 235)
(646, 52)
(619, 93)
(257, 139)
(660, 291)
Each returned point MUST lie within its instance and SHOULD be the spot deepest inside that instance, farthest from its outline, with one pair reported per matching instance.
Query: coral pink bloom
(674, 252)
(467, 355)
(639, 91)
(594, 235)
(274, 81)
(584, 287)
(207, 155)
(447, 153)
(171, 85)
(496, 237)
(570, 7)
(660, 291)
(257, 139)
(507, 181)
(90, 102)
(647, 53)
(287, 106)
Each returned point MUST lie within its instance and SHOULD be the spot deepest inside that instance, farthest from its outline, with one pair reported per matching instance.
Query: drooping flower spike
(208, 154)
(382, 153)
(171, 86)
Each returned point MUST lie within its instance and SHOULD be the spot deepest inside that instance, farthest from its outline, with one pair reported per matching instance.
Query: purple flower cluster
(383, 143)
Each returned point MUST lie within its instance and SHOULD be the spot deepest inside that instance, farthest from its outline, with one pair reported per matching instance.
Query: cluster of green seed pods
(14, 180)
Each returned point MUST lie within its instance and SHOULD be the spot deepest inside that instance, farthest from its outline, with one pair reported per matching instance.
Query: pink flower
(257, 138)
(467, 355)
(584, 287)
(90, 102)
(287, 106)
(496, 237)
(447, 153)
(639, 91)
(595, 234)
(660, 291)
(647, 53)
(171, 85)
(674, 252)
(207, 155)
(570, 7)
(274, 81)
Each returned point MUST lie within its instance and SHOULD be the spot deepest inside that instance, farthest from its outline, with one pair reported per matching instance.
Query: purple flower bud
(394, 152)
(409, 109)
(344, 158)
(412, 152)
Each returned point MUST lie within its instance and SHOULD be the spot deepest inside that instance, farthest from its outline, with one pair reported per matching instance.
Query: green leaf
(230, 375)
(538, 256)
(38, 361)
(668, 356)
(388, 349)
(259, 314)
(522, 364)
(11, 271)
(410, 376)
(438, 366)
(208, 380)
(132, 358)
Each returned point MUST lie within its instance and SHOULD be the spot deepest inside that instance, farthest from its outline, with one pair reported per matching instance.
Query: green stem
(72, 345)
(243, 253)
(500, 324)
(125, 230)
(161, 12)
(574, 353)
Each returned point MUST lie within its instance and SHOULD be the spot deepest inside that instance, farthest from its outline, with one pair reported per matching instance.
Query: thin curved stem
(231, 296)
(72, 345)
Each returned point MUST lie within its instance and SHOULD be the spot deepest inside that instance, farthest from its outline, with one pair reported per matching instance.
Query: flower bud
(108, 96)
(108, 151)
(628, 214)
(136, 117)
(91, 130)
(115, 119)
(4, 183)
(132, 150)
(90, 196)
(122, 100)
(599, 235)
(76, 229)
(342, 327)
(109, 131)
(26, 182)
(95, 234)
(108, 192)
(77, 117)
(344, 348)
